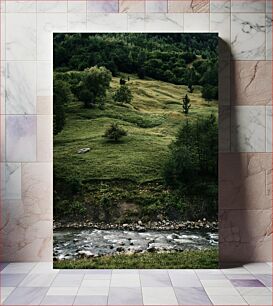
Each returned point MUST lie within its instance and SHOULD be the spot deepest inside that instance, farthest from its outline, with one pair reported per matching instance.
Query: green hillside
(151, 120)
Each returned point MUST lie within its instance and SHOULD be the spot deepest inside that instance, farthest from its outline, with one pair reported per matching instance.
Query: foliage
(186, 104)
(114, 132)
(192, 259)
(123, 94)
(194, 153)
(61, 97)
(176, 58)
(191, 169)
(92, 88)
(209, 92)
(132, 169)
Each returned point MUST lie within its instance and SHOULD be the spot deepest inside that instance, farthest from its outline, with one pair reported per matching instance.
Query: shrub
(123, 94)
(114, 132)
(61, 97)
(209, 92)
(186, 104)
(92, 89)
(193, 155)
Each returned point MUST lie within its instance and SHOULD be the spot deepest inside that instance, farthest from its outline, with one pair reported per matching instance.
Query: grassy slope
(180, 260)
(151, 121)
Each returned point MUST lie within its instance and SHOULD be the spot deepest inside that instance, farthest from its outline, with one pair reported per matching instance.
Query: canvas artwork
(135, 150)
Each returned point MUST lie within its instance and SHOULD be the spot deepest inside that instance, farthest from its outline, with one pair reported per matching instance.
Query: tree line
(183, 59)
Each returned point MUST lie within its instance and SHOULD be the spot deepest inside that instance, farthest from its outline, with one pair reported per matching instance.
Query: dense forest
(179, 59)
(142, 108)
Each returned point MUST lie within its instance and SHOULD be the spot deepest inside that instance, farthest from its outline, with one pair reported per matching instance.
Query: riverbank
(190, 259)
(164, 225)
(92, 243)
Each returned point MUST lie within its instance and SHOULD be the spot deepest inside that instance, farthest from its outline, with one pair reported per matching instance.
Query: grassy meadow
(129, 171)
(206, 259)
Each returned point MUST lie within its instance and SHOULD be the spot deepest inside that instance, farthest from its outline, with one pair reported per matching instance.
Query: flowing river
(75, 243)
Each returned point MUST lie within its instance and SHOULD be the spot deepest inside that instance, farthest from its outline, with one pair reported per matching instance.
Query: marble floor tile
(12, 186)
(97, 276)
(17, 268)
(102, 22)
(76, 6)
(58, 300)
(20, 88)
(240, 276)
(21, 138)
(21, 36)
(26, 296)
(266, 279)
(3, 265)
(248, 131)
(155, 280)
(156, 6)
(124, 271)
(246, 291)
(258, 299)
(198, 22)
(86, 291)
(236, 271)
(269, 129)
(77, 22)
(159, 296)
(43, 268)
(125, 296)
(128, 6)
(249, 6)
(96, 283)
(248, 39)
(64, 281)
(221, 291)
(268, 23)
(25, 6)
(211, 275)
(125, 280)
(259, 268)
(5, 292)
(101, 272)
(216, 283)
(38, 280)
(57, 6)
(136, 22)
(220, 6)
(102, 6)
(161, 22)
(192, 296)
(227, 300)
(62, 291)
(185, 280)
(246, 283)
(73, 271)
(90, 300)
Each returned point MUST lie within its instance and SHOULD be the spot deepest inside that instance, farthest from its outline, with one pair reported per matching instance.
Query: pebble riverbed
(78, 243)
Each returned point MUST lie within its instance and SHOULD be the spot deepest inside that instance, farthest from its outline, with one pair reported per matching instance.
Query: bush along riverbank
(164, 225)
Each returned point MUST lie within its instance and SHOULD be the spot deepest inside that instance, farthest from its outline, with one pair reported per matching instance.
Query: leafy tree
(92, 89)
(193, 155)
(61, 97)
(123, 94)
(209, 92)
(114, 132)
(186, 104)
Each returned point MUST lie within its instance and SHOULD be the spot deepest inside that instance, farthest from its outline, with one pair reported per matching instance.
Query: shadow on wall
(245, 198)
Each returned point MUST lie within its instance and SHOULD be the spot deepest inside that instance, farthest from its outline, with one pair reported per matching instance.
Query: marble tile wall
(245, 85)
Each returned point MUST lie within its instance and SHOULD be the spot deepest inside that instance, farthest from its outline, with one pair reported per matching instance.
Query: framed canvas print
(135, 150)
